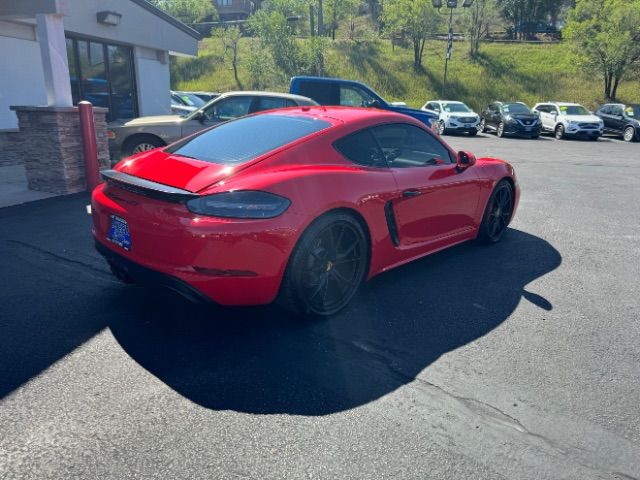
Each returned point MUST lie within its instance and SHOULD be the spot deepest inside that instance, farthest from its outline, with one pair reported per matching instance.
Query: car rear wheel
(326, 268)
(629, 134)
(497, 214)
(500, 130)
(142, 143)
(559, 132)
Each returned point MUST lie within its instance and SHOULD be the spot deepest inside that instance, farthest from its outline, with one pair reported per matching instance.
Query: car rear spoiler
(147, 188)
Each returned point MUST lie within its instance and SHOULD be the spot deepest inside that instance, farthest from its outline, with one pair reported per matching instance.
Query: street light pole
(451, 4)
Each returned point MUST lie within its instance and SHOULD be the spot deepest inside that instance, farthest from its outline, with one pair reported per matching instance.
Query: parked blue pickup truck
(336, 91)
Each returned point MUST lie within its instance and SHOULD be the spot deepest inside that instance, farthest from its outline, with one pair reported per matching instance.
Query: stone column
(51, 146)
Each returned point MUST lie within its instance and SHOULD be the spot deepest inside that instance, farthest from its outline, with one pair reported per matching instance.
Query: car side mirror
(375, 104)
(465, 160)
(199, 115)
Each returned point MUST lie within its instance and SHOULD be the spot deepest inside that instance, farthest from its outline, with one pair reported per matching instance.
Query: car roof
(446, 101)
(338, 115)
(257, 93)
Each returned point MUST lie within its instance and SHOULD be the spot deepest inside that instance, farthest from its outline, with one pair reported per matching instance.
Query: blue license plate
(119, 232)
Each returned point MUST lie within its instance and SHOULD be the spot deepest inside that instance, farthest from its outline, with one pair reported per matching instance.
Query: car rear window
(238, 141)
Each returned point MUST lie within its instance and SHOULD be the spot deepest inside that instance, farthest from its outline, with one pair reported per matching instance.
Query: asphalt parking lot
(515, 361)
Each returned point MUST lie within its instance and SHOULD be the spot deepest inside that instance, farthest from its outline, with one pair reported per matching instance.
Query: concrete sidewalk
(14, 189)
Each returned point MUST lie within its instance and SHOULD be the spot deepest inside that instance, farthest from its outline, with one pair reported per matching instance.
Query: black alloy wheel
(327, 267)
(497, 215)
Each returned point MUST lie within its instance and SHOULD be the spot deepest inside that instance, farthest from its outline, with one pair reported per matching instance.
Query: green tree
(606, 37)
(188, 11)
(337, 10)
(478, 21)
(416, 18)
(522, 15)
(230, 38)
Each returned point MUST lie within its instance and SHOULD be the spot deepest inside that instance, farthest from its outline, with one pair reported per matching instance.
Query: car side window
(269, 103)
(616, 110)
(361, 148)
(228, 109)
(406, 146)
(354, 97)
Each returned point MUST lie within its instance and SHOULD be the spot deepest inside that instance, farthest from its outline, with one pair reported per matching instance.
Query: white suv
(569, 119)
(453, 117)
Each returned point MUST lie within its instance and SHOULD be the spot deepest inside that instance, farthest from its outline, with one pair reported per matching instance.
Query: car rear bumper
(222, 260)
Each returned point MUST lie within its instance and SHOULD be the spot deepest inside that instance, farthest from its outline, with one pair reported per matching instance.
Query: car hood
(155, 120)
(582, 118)
(176, 171)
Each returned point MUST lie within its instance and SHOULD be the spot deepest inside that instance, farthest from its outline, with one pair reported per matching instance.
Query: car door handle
(411, 193)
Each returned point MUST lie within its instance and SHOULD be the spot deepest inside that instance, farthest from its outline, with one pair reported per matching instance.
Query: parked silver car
(145, 133)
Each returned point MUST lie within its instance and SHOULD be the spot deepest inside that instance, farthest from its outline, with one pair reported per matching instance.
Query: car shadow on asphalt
(264, 361)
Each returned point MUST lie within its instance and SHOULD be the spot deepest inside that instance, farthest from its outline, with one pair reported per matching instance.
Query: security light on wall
(109, 18)
(452, 3)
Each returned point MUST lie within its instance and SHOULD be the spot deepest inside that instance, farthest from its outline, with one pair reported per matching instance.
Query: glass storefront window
(103, 74)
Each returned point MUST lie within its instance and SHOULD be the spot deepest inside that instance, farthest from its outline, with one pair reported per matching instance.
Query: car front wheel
(500, 130)
(326, 268)
(560, 132)
(629, 134)
(497, 214)
(441, 127)
(482, 126)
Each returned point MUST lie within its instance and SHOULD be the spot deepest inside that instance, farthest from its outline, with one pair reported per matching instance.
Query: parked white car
(453, 117)
(569, 119)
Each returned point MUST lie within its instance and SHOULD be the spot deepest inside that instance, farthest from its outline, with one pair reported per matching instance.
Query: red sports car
(298, 205)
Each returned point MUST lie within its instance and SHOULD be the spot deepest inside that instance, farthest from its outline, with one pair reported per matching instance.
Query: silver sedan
(145, 133)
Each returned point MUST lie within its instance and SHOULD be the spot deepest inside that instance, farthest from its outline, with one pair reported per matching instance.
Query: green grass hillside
(525, 72)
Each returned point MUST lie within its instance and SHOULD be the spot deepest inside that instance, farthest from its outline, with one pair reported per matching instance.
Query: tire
(441, 127)
(500, 130)
(482, 126)
(327, 266)
(141, 143)
(629, 134)
(559, 132)
(497, 213)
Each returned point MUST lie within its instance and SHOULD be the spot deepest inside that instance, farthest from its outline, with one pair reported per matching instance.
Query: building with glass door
(114, 53)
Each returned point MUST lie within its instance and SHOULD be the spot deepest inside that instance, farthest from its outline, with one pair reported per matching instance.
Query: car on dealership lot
(569, 120)
(510, 119)
(351, 93)
(299, 205)
(145, 133)
(621, 119)
(453, 117)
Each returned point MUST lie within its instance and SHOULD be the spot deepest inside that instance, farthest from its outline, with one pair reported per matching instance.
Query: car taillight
(240, 204)
(111, 135)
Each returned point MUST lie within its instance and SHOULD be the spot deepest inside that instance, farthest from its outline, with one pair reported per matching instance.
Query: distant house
(230, 10)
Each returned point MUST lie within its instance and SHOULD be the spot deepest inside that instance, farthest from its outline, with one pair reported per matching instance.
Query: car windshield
(191, 100)
(633, 111)
(238, 141)
(516, 108)
(573, 110)
(455, 107)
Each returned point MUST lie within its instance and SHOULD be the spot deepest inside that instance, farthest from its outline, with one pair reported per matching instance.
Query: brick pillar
(51, 147)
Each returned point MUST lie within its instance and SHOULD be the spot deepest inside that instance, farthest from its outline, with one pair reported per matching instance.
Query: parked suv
(620, 119)
(145, 133)
(453, 117)
(510, 118)
(569, 119)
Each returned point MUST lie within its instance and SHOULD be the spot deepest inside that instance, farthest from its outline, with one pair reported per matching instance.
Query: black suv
(510, 118)
(620, 119)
